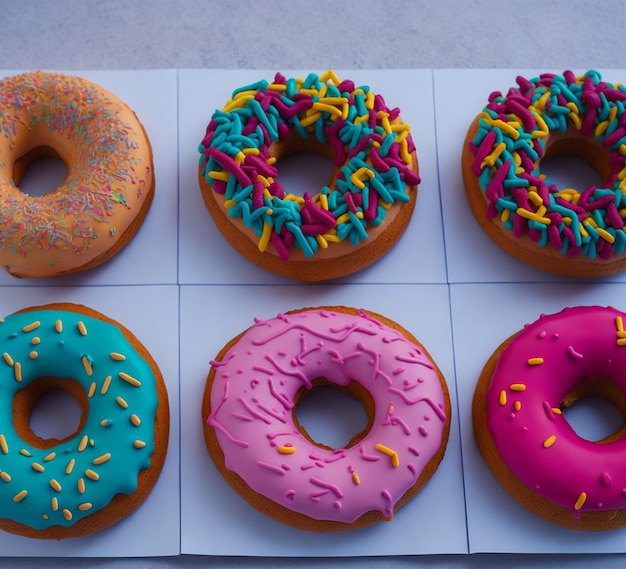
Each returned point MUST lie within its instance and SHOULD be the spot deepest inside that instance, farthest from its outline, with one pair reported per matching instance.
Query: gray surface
(288, 34)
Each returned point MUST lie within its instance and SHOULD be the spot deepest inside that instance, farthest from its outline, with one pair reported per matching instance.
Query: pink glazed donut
(253, 435)
(523, 435)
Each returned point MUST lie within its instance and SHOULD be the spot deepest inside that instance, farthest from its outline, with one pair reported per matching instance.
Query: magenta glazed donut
(523, 435)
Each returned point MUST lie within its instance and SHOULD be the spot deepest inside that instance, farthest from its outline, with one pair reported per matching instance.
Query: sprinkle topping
(372, 150)
(513, 133)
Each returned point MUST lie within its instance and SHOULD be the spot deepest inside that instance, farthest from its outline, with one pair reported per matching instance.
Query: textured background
(375, 34)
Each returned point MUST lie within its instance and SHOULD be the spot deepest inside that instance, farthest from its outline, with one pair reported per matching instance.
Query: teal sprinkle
(301, 239)
(358, 225)
(260, 85)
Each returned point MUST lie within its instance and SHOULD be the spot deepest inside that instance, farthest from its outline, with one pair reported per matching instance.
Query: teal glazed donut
(53, 488)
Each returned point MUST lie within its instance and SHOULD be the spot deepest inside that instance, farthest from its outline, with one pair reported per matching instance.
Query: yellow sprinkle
(503, 397)
(535, 361)
(581, 501)
(619, 323)
(36, 340)
(54, 503)
(81, 485)
(4, 447)
(265, 237)
(38, 467)
(58, 326)
(135, 420)
(219, 175)
(32, 326)
(101, 459)
(24, 452)
(85, 506)
(121, 402)
(81, 328)
(621, 342)
(7, 358)
(355, 478)
(142, 444)
(533, 216)
(557, 411)
(55, 485)
(92, 390)
(20, 496)
(33, 355)
(549, 441)
(70, 466)
(130, 379)
(517, 405)
(605, 235)
(395, 459)
(50, 457)
(105, 423)
(82, 445)
(490, 160)
(87, 366)
(117, 357)
(17, 370)
(517, 387)
(91, 474)
(5, 476)
(286, 449)
(105, 385)
(67, 514)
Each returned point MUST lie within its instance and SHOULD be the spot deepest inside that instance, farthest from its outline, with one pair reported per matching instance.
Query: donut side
(287, 516)
(122, 505)
(523, 248)
(338, 260)
(515, 488)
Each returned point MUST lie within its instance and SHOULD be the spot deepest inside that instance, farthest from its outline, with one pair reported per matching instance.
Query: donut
(57, 489)
(253, 435)
(561, 230)
(521, 430)
(110, 179)
(345, 226)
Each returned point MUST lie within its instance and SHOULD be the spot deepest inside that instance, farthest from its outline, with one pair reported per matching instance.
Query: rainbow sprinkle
(105, 164)
(511, 141)
(372, 149)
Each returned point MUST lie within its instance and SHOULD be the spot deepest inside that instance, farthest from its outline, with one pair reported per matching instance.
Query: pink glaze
(252, 402)
(533, 437)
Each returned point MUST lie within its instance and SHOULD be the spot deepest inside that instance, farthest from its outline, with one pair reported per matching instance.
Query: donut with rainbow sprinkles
(563, 230)
(335, 231)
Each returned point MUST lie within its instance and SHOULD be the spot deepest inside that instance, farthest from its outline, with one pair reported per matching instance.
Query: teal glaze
(108, 427)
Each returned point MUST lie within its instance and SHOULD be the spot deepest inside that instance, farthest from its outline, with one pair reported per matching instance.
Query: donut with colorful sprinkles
(101, 473)
(347, 224)
(523, 433)
(109, 185)
(562, 230)
(253, 435)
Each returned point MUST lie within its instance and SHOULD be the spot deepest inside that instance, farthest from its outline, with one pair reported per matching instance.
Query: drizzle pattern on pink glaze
(534, 373)
(252, 403)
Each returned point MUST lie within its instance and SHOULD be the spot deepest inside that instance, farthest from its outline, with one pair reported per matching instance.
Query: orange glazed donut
(338, 230)
(108, 188)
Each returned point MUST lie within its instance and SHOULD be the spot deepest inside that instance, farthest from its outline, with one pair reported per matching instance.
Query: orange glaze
(110, 181)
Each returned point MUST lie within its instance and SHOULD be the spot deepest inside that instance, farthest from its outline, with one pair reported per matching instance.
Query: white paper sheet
(215, 520)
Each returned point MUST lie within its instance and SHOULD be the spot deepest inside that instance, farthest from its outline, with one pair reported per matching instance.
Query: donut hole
(39, 172)
(332, 416)
(304, 166)
(49, 411)
(596, 411)
(574, 161)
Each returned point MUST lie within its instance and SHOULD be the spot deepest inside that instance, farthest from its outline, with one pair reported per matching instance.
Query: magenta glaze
(575, 344)
(252, 401)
